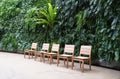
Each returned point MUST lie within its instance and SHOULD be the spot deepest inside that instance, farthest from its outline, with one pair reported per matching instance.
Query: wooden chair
(45, 49)
(54, 52)
(68, 54)
(31, 51)
(85, 55)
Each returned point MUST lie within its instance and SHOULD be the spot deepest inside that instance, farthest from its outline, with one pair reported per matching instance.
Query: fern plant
(47, 18)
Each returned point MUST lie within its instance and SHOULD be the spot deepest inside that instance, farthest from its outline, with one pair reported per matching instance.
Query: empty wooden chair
(68, 54)
(45, 49)
(85, 55)
(54, 52)
(31, 51)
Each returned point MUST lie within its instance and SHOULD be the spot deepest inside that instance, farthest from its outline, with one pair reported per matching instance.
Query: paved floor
(14, 66)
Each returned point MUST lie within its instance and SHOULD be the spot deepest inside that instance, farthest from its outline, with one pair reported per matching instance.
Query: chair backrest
(55, 48)
(34, 46)
(45, 47)
(85, 50)
(69, 49)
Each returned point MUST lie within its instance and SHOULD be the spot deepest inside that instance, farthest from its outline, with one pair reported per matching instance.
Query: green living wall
(78, 22)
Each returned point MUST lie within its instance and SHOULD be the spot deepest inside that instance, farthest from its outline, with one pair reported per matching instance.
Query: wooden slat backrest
(69, 49)
(85, 50)
(55, 47)
(34, 46)
(45, 46)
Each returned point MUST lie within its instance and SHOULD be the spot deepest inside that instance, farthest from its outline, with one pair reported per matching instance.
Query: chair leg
(57, 61)
(50, 59)
(35, 57)
(72, 63)
(64, 61)
(80, 63)
(29, 55)
(82, 66)
(67, 62)
(90, 64)
(41, 57)
(32, 54)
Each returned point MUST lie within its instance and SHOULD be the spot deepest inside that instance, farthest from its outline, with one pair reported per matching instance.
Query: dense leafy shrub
(79, 22)
(101, 21)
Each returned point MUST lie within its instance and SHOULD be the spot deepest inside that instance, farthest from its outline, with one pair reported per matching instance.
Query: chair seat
(42, 52)
(51, 53)
(31, 50)
(81, 57)
(65, 55)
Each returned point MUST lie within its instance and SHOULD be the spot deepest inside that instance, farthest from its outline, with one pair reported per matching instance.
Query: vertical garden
(78, 22)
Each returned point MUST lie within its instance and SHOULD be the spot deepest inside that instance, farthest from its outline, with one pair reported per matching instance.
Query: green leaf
(117, 56)
(114, 23)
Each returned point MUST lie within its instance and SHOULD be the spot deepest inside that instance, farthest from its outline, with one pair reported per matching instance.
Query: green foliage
(80, 19)
(102, 22)
(43, 3)
(66, 13)
(30, 18)
(47, 15)
(10, 42)
(79, 22)
(12, 26)
(8, 9)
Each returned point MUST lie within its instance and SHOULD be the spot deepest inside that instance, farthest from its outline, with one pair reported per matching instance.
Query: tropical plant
(47, 18)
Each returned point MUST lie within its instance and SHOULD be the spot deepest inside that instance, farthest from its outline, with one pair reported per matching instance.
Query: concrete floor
(14, 66)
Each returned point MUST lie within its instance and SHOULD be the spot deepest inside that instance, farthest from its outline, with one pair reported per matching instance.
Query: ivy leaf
(113, 24)
(115, 35)
(116, 56)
